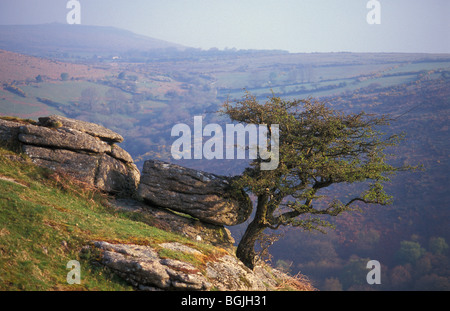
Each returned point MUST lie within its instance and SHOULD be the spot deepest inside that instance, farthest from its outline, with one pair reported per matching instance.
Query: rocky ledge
(144, 268)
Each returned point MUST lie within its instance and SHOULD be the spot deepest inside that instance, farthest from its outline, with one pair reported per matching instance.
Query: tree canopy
(318, 147)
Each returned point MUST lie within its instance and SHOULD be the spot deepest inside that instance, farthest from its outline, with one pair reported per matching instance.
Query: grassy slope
(45, 220)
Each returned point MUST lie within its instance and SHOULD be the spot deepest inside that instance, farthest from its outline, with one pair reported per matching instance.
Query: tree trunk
(246, 248)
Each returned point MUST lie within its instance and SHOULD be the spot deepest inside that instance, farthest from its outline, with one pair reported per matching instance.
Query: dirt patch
(12, 181)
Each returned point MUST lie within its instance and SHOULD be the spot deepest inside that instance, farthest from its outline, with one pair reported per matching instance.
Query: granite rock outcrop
(143, 267)
(206, 196)
(86, 151)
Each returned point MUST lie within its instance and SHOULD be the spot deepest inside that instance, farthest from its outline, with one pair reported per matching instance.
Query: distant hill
(19, 67)
(47, 39)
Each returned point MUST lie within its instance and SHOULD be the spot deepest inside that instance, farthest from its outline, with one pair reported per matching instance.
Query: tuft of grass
(194, 259)
(55, 124)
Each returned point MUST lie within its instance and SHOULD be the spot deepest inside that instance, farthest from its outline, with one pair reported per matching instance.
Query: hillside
(57, 39)
(48, 218)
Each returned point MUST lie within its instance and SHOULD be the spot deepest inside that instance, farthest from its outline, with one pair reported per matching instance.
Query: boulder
(141, 266)
(206, 196)
(82, 126)
(115, 176)
(62, 138)
(84, 150)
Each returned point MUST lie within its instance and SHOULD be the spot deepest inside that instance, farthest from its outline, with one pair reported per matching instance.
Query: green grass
(63, 92)
(416, 67)
(12, 104)
(45, 221)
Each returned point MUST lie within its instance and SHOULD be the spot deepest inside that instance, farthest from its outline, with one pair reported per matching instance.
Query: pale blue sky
(293, 25)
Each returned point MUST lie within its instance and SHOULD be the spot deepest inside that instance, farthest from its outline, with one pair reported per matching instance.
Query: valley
(142, 94)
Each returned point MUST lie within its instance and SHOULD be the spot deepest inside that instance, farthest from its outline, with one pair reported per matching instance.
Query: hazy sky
(293, 25)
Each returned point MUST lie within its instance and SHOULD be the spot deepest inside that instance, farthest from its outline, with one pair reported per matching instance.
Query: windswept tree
(318, 147)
